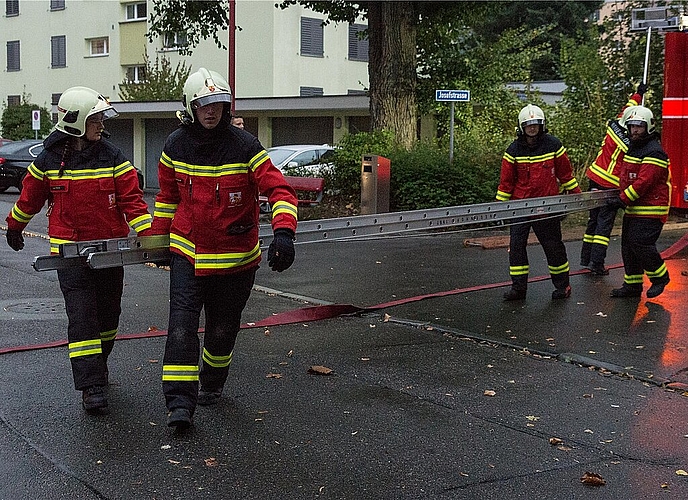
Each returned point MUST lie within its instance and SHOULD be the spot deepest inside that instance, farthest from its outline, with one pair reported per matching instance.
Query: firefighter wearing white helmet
(92, 192)
(210, 174)
(534, 165)
(531, 115)
(74, 107)
(603, 174)
(202, 88)
(644, 194)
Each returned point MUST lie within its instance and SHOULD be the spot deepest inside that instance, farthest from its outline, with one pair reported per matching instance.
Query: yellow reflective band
(123, 168)
(183, 245)
(518, 270)
(165, 160)
(217, 361)
(283, 207)
(108, 335)
(536, 159)
(179, 373)
(601, 240)
(604, 174)
(661, 271)
(84, 348)
(20, 216)
(80, 175)
(564, 268)
(647, 210)
(633, 279)
(258, 160)
(588, 238)
(209, 170)
(502, 196)
(55, 244)
(226, 260)
(33, 170)
(141, 223)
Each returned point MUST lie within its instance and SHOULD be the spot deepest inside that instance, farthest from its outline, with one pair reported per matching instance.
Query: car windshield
(278, 155)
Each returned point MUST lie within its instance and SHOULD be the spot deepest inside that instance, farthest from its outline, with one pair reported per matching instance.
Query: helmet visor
(640, 123)
(535, 121)
(209, 99)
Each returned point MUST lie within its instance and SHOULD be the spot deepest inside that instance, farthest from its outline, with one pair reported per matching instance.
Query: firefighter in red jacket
(534, 165)
(645, 192)
(210, 176)
(604, 174)
(92, 192)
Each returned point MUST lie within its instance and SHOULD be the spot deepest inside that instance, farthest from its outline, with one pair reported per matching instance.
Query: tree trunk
(392, 69)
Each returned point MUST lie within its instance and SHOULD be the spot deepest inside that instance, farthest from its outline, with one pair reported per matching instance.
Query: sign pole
(451, 135)
(452, 96)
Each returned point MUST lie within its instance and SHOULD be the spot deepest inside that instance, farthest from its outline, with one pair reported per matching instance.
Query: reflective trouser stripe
(518, 270)
(179, 373)
(217, 361)
(588, 238)
(85, 348)
(601, 240)
(108, 335)
(564, 268)
(658, 273)
(635, 279)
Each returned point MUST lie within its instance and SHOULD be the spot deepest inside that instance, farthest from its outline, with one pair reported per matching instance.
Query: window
(136, 11)
(136, 74)
(55, 98)
(311, 37)
(13, 62)
(173, 40)
(58, 51)
(310, 91)
(11, 8)
(57, 4)
(98, 46)
(358, 47)
(13, 100)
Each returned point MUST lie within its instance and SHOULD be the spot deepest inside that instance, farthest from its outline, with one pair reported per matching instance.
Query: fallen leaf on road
(211, 462)
(320, 370)
(588, 431)
(152, 328)
(273, 375)
(490, 393)
(555, 441)
(532, 418)
(681, 472)
(592, 479)
(386, 318)
(601, 314)
(266, 332)
(664, 485)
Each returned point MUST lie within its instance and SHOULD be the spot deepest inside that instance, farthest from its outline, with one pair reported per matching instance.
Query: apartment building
(297, 80)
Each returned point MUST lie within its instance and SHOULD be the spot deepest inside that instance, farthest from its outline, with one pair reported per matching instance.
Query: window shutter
(311, 37)
(13, 60)
(58, 46)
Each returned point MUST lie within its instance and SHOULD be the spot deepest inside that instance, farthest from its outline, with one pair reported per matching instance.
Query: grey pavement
(459, 397)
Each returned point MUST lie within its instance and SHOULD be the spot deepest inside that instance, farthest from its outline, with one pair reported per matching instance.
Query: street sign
(453, 95)
(36, 119)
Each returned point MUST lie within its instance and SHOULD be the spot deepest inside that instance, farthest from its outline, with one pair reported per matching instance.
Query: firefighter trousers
(597, 233)
(93, 302)
(639, 237)
(548, 233)
(223, 297)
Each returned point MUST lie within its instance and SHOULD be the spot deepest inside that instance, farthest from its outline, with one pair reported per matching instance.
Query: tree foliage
(161, 83)
(17, 122)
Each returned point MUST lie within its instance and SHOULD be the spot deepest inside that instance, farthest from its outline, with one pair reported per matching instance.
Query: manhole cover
(32, 309)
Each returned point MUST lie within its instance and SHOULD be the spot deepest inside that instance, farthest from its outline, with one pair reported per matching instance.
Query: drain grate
(32, 309)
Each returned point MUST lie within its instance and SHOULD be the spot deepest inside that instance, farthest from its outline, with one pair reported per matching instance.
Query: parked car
(4, 141)
(303, 160)
(15, 158)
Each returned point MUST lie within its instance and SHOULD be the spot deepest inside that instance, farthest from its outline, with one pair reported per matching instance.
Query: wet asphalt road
(450, 397)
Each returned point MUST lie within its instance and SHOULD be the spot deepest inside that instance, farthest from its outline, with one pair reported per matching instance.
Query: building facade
(296, 79)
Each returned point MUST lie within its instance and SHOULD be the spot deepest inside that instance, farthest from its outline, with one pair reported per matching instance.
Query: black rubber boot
(208, 397)
(598, 269)
(179, 418)
(658, 286)
(513, 294)
(94, 399)
(561, 293)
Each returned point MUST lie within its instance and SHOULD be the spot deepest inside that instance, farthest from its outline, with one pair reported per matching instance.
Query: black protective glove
(642, 88)
(15, 239)
(281, 250)
(616, 202)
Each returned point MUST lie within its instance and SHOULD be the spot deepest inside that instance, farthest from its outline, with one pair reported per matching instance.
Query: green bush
(420, 178)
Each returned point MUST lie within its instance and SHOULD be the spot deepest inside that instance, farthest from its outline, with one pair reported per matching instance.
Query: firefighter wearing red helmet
(210, 176)
(603, 174)
(534, 165)
(93, 193)
(645, 191)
